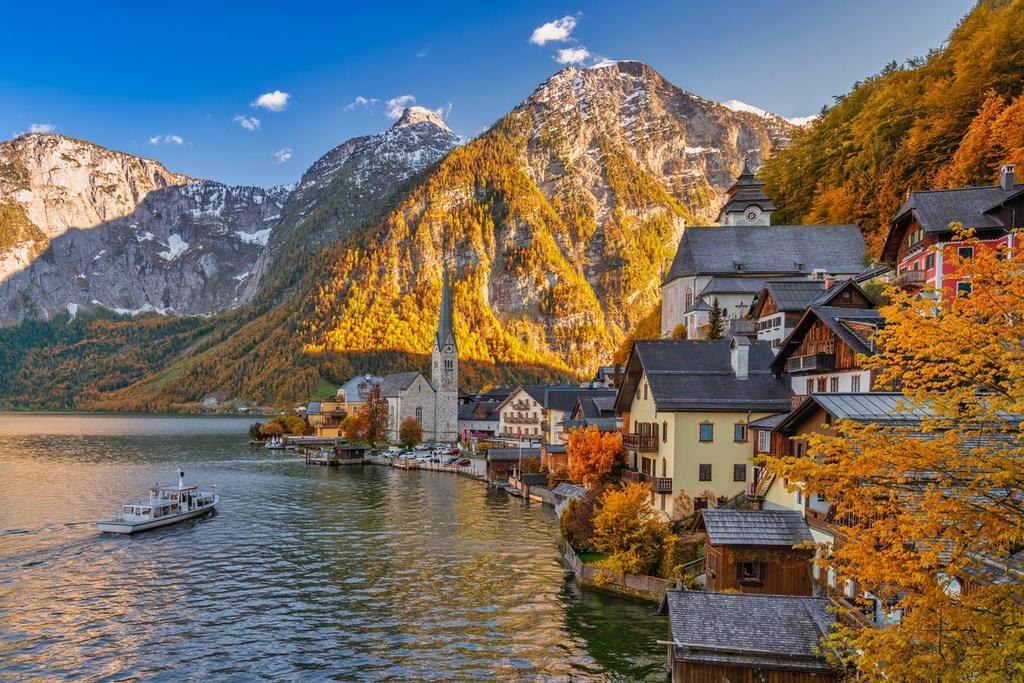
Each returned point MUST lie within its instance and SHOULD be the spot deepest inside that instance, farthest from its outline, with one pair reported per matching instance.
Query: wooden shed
(743, 638)
(757, 551)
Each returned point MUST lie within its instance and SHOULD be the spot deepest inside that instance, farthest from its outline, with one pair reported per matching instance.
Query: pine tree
(715, 329)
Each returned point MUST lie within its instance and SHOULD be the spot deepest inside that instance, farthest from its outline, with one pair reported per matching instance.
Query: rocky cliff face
(350, 185)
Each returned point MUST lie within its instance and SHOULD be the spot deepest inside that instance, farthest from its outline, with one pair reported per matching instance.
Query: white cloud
(250, 123)
(272, 101)
(444, 111)
(282, 155)
(423, 53)
(396, 105)
(557, 31)
(41, 128)
(572, 55)
(361, 101)
(168, 139)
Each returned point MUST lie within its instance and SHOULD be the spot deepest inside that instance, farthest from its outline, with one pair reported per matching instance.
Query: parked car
(407, 454)
(450, 460)
(465, 462)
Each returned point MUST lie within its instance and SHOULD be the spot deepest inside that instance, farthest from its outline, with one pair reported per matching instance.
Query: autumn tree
(410, 432)
(374, 416)
(928, 506)
(352, 428)
(679, 331)
(715, 328)
(593, 455)
(629, 530)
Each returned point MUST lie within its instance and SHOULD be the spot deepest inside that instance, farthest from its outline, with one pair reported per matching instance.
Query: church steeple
(445, 326)
(747, 203)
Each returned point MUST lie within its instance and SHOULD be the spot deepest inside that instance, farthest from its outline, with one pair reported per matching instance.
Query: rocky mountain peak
(414, 115)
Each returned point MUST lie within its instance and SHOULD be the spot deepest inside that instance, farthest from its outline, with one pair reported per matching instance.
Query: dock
(347, 454)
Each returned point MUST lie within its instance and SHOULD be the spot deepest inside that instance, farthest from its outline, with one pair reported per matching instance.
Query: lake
(302, 573)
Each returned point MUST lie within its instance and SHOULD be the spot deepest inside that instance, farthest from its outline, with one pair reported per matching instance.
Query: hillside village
(767, 333)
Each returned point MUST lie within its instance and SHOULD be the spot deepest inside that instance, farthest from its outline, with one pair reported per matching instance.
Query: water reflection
(358, 574)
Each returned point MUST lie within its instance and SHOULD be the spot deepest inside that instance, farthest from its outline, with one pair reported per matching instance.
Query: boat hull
(112, 526)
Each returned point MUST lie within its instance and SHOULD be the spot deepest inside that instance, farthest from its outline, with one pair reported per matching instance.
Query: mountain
(556, 225)
(107, 229)
(739, 105)
(347, 187)
(946, 120)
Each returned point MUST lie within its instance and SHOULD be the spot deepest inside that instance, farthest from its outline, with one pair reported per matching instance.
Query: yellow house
(686, 405)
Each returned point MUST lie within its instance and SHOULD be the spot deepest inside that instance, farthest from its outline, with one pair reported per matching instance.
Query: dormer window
(798, 265)
(738, 265)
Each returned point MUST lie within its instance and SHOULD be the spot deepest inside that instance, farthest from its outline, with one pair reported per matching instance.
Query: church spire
(746, 203)
(445, 325)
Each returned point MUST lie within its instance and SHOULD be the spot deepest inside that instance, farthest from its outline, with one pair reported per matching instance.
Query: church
(434, 403)
(729, 263)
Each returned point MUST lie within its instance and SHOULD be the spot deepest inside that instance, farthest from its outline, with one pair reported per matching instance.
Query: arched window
(689, 299)
(419, 416)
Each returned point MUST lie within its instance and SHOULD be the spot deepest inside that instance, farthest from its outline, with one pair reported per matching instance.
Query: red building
(920, 239)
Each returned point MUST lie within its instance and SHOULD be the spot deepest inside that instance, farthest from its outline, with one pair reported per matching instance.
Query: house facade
(352, 394)
(478, 419)
(781, 303)
(920, 238)
(824, 351)
(686, 406)
(731, 262)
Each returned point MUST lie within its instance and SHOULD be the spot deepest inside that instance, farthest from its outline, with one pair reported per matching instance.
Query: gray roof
(936, 209)
(732, 285)
(756, 527)
(554, 447)
(494, 454)
(745, 192)
(768, 249)
(466, 412)
(795, 294)
(697, 375)
(749, 630)
(565, 399)
(770, 422)
(567, 490)
(392, 385)
(603, 424)
(445, 327)
(871, 407)
(354, 390)
(313, 408)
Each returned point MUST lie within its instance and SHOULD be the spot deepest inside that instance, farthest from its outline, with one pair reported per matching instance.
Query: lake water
(303, 573)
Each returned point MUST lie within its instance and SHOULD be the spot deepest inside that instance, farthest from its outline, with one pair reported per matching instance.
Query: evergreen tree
(715, 329)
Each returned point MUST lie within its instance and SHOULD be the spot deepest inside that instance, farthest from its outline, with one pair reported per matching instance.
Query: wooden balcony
(910, 279)
(644, 443)
(814, 362)
(524, 420)
(520, 405)
(822, 521)
(658, 484)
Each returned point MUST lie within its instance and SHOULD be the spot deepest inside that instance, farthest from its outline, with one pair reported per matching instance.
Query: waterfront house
(478, 419)
(686, 405)
(352, 394)
(781, 303)
(325, 416)
(554, 457)
(731, 262)
(501, 462)
(747, 637)
(823, 352)
(757, 551)
(920, 237)
(535, 414)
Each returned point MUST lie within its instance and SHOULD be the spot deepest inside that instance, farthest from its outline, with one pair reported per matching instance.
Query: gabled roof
(603, 424)
(876, 406)
(768, 250)
(561, 397)
(756, 527)
(467, 412)
(936, 209)
(355, 390)
(746, 192)
(393, 384)
(749, 630)
(697, 375)
(843, 321)
(790, 295)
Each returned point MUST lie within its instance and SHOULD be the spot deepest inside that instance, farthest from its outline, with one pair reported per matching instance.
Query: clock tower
(444, 370)
(747, 204)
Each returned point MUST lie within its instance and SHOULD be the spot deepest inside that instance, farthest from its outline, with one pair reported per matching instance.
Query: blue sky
(175, 82)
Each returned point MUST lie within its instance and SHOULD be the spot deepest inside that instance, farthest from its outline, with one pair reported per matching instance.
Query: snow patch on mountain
(259, 237)
(175, 247)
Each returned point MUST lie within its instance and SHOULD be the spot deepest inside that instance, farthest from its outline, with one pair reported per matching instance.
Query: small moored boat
(166, 505)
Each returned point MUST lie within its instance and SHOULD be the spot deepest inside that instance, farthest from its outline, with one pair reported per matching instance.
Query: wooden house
(501, 462)
(747, 638)
(757, 551)
(781, 303)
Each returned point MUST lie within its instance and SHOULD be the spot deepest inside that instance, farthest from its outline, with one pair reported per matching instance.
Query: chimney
(1006, 176)
(830, 281)
(740, 356)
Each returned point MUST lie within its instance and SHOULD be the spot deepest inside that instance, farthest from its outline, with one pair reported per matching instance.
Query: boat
(166, 505)
(274, 444)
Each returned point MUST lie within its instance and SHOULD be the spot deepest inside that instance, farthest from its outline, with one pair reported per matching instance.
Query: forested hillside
(947, 119)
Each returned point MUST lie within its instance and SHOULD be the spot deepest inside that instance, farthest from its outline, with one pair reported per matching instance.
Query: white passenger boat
(166, 505)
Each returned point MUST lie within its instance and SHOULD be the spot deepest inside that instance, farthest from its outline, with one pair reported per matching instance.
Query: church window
(689, 298)
(419, 416)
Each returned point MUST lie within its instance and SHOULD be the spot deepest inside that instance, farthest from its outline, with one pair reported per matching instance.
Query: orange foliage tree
(628, 529)
(933, 512)
(593, 455)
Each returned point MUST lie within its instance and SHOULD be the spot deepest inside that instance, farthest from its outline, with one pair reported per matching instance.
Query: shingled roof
(697, 375)
(746, 192)
(779, 632)
(393, 384)
(756, 527)
(769, 250)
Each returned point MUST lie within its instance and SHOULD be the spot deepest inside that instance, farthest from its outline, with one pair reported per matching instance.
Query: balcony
(644, 443)
(521, 420)
(813, 362)
(658, 484)
(822, 521)
(520, 405)
(910, 279)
